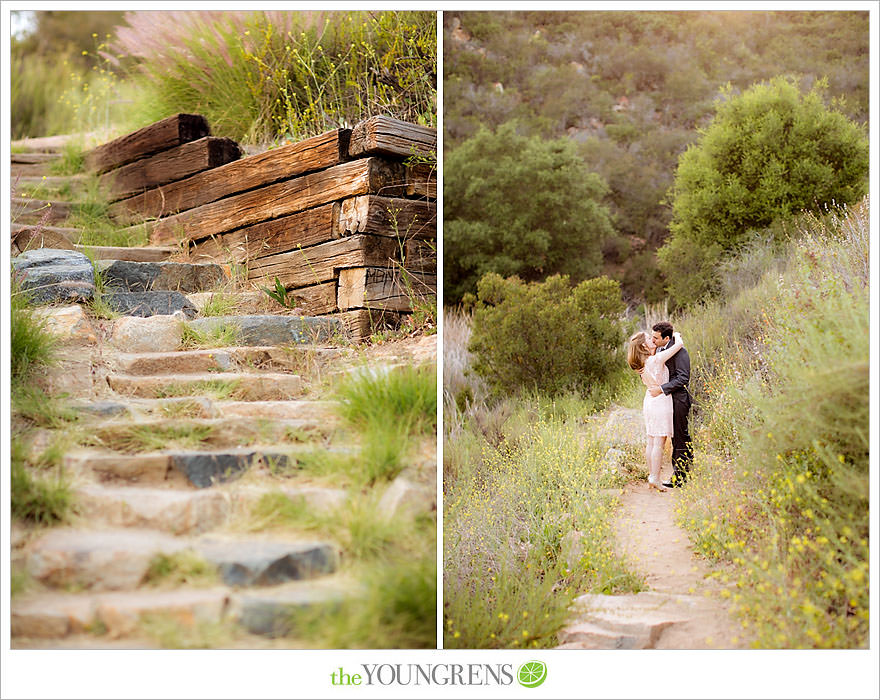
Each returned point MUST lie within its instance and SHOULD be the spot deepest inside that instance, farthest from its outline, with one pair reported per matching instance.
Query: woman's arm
(664, 355)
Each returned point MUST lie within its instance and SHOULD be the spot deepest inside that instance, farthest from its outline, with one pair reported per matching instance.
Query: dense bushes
(547, 336)
(769, 153)
(518, 205)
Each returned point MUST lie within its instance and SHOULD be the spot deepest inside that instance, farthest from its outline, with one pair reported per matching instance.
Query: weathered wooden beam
(420, 255)
(302, 229)
(169, 166)
(310, 301)
(159, 136)
(367, 175)
(421, 180)
(317, 153)
(387, 216)
(362, 323)
(392, 137)
(391, 288)
(320, 263)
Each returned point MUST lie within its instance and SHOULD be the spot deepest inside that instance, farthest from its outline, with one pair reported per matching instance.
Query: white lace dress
(657, 409)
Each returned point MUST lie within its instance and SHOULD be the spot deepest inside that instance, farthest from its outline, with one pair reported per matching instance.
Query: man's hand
(655, 391)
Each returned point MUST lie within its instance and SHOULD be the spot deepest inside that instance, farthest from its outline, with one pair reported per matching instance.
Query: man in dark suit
(679, 366)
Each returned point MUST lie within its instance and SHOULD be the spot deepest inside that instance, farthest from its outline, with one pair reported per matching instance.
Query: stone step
(130, 437)
(117, 614)
(199, 468)
(320, 413)
(188, 512)
(70, 234)
(146, 254)
(267, 612)
(148, 304)
(316, 414)
(276, 330)
(267, 562)
(247, 386)
(28, 169)
(200, 361)
(51, 275)
(51, 186)
(119, 559)
(29, 236)
(25, 210)
(57, 615)
(31, 157)
(136, 276)
(634, 621)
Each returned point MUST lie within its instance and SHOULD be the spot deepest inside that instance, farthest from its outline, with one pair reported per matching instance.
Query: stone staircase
(174, 446)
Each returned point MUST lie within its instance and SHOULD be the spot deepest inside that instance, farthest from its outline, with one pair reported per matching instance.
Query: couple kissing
(665, 367)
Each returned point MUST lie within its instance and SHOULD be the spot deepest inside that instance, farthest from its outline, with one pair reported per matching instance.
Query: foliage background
(631, 90)
(257, 76)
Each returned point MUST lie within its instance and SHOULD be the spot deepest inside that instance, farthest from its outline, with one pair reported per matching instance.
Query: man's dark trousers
(679, 366)
(682, 451)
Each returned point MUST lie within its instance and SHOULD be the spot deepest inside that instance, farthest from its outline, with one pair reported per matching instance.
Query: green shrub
(769, 154)
(522, 206)
(547, 336)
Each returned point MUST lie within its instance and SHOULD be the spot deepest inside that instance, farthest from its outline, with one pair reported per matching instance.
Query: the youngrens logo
(529, 675)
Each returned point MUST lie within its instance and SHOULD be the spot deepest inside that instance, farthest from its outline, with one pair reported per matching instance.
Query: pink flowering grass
(265, 75)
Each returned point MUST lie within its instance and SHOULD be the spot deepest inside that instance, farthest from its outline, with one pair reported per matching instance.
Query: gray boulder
(146, 304)
(275, 330)
(52, 275)
(154, 276)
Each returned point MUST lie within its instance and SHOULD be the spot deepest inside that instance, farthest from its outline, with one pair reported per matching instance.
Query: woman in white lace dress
(643, 357)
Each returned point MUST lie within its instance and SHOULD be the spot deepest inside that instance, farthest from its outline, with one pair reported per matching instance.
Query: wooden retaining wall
(346, 220)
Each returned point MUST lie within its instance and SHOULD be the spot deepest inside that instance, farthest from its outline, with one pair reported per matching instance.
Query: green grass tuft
(222, 335)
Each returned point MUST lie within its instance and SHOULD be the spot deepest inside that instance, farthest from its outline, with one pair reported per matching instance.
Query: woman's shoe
(656, 484)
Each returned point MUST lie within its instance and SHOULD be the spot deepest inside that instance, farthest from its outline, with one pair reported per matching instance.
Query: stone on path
(204, 469)
(146, 304)
(153, 334)
(634, 621)
(275, 330)
(169, 510)
(404, 496)
(69, 324)
(255, 562)
(268, 612)
(154, 276)
(51, 275)
(265, 386)
(98, 560)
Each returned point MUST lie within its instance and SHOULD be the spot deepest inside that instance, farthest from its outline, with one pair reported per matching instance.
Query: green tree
(769, 154)
(547, 336)
(519, 205)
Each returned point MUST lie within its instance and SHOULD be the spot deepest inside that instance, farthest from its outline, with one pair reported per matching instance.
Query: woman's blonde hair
(637, 352)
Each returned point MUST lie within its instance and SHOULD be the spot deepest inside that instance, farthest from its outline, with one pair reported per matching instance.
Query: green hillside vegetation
(632, 90)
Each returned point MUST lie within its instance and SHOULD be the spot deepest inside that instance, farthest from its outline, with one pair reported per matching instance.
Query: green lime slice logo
(531, 674)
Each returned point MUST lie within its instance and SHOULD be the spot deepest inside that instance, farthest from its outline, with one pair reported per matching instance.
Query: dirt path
(660, 550)
(681, 608)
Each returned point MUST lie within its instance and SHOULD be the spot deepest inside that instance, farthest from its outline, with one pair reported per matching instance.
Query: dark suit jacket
(679, 366)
